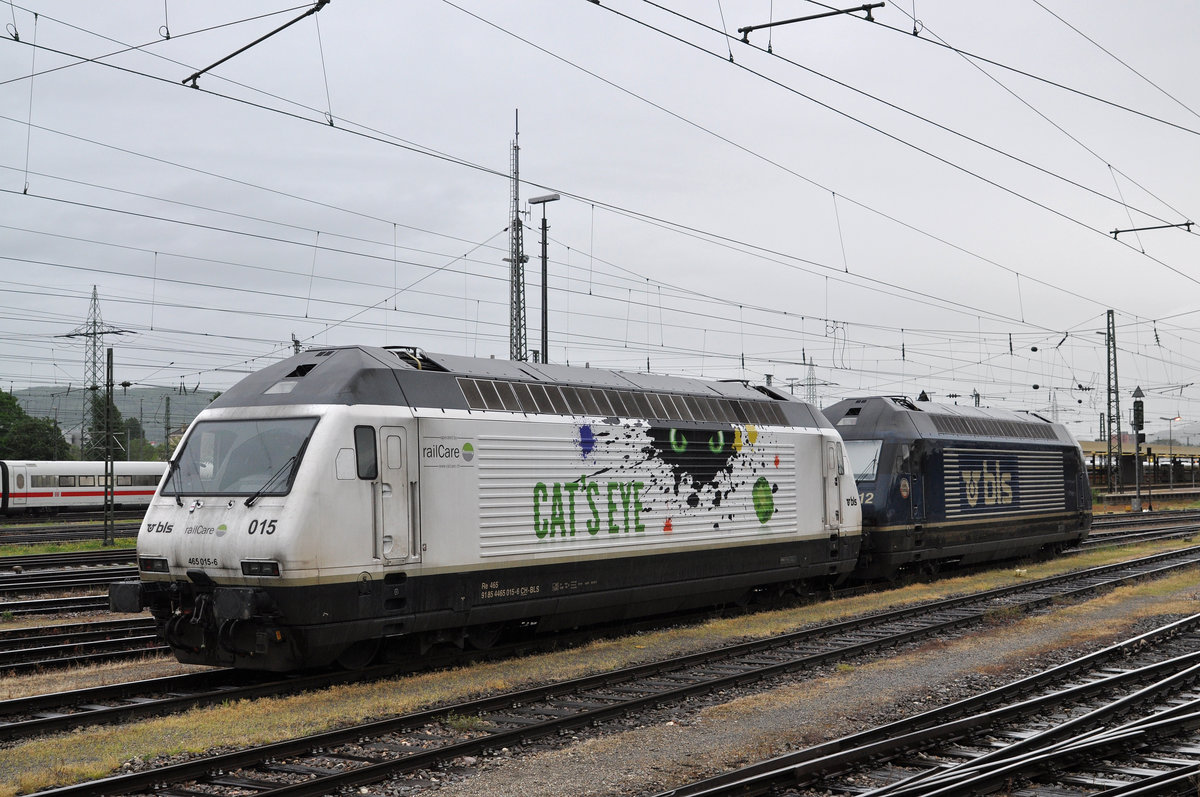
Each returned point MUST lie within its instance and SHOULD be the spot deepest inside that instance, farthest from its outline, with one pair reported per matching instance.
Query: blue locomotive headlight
(260, 568)
(153, 564)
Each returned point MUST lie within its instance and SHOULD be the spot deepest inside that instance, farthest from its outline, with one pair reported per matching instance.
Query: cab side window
(365, 454)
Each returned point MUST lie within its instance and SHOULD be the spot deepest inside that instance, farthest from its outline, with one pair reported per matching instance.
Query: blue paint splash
(587, 440)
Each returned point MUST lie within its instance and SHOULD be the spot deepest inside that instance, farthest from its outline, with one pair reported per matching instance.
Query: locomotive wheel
(358, 655)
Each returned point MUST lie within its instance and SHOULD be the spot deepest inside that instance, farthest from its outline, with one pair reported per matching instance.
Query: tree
(133, 429)
(35, 438)
(10, 412)
(25, 437)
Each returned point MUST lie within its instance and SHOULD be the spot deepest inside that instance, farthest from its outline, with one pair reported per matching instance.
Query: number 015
(262, 526)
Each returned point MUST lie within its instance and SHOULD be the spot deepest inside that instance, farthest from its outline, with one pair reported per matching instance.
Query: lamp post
(1170, 447)
(542, 200)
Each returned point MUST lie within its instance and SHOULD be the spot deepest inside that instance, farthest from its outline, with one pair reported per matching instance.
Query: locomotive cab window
(864, 458)
(367, 458)
(240, 457)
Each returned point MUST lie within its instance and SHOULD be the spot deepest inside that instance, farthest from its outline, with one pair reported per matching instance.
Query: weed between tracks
(95, 752)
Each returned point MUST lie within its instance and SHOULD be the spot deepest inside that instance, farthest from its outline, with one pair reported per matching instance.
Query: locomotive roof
(403, 376)
(875, 416)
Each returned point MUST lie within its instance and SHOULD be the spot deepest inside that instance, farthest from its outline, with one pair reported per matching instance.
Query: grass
(63, 680)
(464, 724)
(1003, 616)
(95, 752)
(27, 549)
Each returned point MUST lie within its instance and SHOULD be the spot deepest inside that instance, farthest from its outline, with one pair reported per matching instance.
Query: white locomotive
(348, 496)
(29, 487)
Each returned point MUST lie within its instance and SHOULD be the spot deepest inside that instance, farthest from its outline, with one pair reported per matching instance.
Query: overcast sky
(889, 207)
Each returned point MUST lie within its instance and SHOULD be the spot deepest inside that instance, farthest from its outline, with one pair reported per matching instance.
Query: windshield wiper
(172, 469)
(872, 467)
(258, 493)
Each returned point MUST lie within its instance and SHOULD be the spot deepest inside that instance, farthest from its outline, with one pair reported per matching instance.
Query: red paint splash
(667, 526)
(777, 460)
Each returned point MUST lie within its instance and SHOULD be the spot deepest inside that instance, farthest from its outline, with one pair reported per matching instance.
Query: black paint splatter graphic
(698, 455)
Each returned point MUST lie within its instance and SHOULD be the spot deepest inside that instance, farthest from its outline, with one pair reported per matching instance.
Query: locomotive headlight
(260, 568)
(152, 564)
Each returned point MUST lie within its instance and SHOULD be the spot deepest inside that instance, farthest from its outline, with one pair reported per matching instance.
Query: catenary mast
(516, 259)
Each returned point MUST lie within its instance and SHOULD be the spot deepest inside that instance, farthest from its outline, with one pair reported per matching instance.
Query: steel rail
(66, 534)
(46, 561)
(43, 580)
(52, 605)
(14, 634)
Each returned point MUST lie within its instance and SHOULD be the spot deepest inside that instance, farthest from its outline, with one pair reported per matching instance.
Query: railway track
(74, 603)
(63, 518)
(35, 649)
(1122, 721)
(1104, 522)
(22, 577)
(323, 763)
(1136, 535)
(47, 561)
(66, 533)
(39, 580)
(40, 714)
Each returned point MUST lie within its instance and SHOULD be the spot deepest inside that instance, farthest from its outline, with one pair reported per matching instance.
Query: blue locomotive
(943, 484)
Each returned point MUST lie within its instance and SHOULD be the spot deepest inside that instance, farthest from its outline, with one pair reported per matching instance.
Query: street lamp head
(541, 200)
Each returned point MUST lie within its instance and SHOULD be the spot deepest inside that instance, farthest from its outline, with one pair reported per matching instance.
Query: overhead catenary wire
(1112, 55)
(591, 249)
(1072, 137)
(442, 155)
(774, 163)
(891, 136)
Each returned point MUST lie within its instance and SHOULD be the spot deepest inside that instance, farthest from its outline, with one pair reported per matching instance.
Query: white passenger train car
(347, 496)
(32, 487)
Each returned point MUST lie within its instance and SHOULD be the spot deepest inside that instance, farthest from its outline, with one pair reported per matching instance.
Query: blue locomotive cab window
(864, 458)
(365, 454)
(240, 457)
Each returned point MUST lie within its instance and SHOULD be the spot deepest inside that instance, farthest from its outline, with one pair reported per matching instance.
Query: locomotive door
(917, 497)
(835, 471)
(397, 529)
(915, 467)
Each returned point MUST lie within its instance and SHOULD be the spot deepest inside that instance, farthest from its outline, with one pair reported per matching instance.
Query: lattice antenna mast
(810, 384)
(94, 366)
(1114, 408)
(516, 259)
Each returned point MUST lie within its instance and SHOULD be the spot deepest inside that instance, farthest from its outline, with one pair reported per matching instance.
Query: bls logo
(995, 486)
(159, 528)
